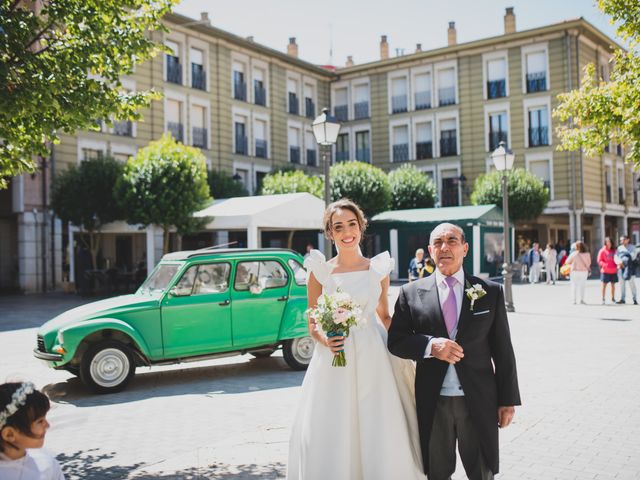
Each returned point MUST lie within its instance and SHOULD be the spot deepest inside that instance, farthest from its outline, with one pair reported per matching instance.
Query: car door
(196, 313)
(258, 299)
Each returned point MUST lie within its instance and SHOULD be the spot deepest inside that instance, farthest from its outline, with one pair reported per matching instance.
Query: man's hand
(505, 415)
(446, 350)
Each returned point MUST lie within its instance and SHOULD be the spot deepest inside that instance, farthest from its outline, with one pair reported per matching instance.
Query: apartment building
(249, 109)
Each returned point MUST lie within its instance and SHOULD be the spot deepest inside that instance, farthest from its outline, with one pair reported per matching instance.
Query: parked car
(194, 305)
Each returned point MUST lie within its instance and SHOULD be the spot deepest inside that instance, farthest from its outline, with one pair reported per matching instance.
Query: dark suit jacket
(483, 334)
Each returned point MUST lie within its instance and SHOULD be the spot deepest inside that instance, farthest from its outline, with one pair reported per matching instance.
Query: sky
(328, 31)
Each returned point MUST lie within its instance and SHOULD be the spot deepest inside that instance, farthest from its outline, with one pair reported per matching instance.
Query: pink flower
(341, 316)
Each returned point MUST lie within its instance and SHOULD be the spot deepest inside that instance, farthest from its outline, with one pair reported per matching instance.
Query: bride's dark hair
(343, 204)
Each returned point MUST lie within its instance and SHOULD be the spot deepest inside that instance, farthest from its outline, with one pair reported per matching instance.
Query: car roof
(227, 253)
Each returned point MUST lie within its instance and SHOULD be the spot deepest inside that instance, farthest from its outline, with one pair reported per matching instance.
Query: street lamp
(503, 161)
(326, 129)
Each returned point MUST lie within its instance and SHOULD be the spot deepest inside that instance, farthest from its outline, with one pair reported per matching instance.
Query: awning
(476, 214)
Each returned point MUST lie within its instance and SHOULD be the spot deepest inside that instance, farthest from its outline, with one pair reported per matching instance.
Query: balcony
(536, 82)
(621, 199)
(360, 110)
(448, 146)
(176, 130)
(174, 70)
(401, 152)
(495, 138)
(240, 91)
(294, 155)
(423, 100)
(424, 150)
(312, 161)
(363, 155)
(446, 96)
(399, 104)
(341, 112)
(261, 148)
(123, 128)
(309, 108)
(198, 77)
(608, 194)
(259, 95)
(199, 137)
(538, 136)
(293, 104)
(241, 145)
(342, 156)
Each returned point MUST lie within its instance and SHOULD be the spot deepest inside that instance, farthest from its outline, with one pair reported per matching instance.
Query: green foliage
(411, 188)
(365, 184)
(164, 184)
(598, 112)
(527, 194)
(222, 185)
(60, 70)
(292, 181)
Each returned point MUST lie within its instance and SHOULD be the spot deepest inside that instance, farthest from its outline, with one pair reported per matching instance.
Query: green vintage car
(194, 305)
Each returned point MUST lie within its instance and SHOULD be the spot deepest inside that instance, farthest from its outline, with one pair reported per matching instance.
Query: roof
(301, 211)
(225, 252)
(486, 214)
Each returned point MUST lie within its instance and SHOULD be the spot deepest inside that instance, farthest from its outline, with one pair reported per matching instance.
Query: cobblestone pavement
(579, 369)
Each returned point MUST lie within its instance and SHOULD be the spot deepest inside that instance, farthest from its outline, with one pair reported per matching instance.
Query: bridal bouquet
(335, 315)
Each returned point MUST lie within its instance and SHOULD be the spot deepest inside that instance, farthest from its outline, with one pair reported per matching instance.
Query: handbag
(565, 270)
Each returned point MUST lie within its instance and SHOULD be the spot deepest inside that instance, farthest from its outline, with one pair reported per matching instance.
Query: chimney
(384, 48)
(204, 18)
(349, 61)
(451, 34)
(292, 48)
(418, 47)
(509, 21)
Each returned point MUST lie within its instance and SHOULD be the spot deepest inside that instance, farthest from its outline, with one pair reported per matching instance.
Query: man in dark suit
(455, 326)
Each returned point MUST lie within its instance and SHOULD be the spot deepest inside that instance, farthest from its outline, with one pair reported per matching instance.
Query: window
(310, 144)
(198, 127)
(542, 170)
(446, 87)
(259, 91)
(342, 147)
(449, 192)
(184, 286)
(496, 78)
(294, 145)
(259, 180)
(448, 138)
(174, 119)
(261, 275)
(241, 137)
(341, 108)
(260, 133)
(424, 141)
(401, 143)
(121, 157)
(362, 146)
(292, 88)
(244, 177)
(361, 105)
(607, 183)
(538, 126)
(212, 278)
(198, 75)
(239, 84)
(92, 154)
(399, 95)
(621, 196)
(174, 69)
(498, 130)
(309, 105)
(536, 63)
(299, 273)
(423, 91)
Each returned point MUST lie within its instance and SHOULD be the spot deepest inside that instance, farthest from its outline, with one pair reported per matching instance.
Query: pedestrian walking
(608, 268)
(550, 256)
(534, 257)
(628, 257)
(580, 261)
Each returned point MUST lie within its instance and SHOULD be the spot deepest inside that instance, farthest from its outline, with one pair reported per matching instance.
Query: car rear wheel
(107, 366)
(297, 352)
(262, 353)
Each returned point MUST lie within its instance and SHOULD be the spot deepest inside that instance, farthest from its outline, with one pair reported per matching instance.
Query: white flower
(474, 292)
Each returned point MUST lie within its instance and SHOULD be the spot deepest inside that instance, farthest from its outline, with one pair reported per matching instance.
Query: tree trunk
(94, 247)
(165, 239)
(290, 240)
(178, 242)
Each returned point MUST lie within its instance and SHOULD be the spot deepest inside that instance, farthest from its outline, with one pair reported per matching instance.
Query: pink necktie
(450, 306)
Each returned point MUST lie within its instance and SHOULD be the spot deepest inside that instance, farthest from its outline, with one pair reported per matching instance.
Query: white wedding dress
(356, 422)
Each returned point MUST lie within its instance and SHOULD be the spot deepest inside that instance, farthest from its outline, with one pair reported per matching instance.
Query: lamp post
(503, 161)
(326, 129)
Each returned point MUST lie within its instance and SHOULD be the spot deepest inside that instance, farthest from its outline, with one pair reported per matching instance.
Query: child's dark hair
(36, 406)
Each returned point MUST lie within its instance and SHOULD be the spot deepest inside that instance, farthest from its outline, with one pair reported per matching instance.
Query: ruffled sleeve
(382, 265)
(317, 263)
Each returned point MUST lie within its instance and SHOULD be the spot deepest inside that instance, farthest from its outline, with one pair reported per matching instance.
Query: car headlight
(60, 338)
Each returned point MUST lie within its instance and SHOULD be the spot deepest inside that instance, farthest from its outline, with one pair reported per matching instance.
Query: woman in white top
(580, 262)
(550, 256)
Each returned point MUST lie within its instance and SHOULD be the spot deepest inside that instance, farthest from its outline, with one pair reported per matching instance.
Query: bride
(359, 421)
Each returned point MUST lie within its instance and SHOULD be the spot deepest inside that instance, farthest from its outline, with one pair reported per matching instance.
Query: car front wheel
(107, 366)
(297, 352)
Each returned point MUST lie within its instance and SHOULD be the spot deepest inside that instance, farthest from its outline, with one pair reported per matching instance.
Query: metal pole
(326, 159)
(506, 266)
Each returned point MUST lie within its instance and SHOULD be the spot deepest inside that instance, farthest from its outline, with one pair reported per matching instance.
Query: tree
(165, 184)
(365, 184)
(411, 188)
(600, 112)
(60, 69)
(527, 194)
(292, 181)
(222, 185)
(84, 196)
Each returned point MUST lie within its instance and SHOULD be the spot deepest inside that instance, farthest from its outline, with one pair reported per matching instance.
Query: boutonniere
(474, 292)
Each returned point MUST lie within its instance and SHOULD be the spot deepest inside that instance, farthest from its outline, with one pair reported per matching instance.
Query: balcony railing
(177, 130)
(495, 138)
(538, 136)
(401, 152)
(423, 100)
(424, 150)
(123, 128)
(342, 156)
(309, 108)
(294, 154)
(399, 104)
(199, 137)
(496, 89)
(260, 95)
(261, 148)
(448, 146)
(240, 91)
(536, 82)
(312, 161)
(198, 77)
(360, 110)
(446, 96)
(174, 70)
(293, 103)
(241, 145)
(363, 155)
(608, 193)
(341, 112)
(621, 198)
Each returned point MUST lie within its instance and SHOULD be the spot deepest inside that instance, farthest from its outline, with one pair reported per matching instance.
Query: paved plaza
(579, 370)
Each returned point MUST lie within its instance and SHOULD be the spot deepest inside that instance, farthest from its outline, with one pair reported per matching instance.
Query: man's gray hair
(446, 226)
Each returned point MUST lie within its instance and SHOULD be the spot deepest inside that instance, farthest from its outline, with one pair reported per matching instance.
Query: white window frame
(527, 49)
(181, 40)
(448, 165)
(195, 101)
(416, 71)
(620, 168)
(92, 145)
(339, 86)
(404, 73)
(300, 127)
(237, 57)
(345, 130)
(533, 102)
(539, 156)
(264, 66)
(447, 115)
(297, 78)
(204, 47)
(178, 97)
(248, 127)
(123, 149)
(401, 122)
(424, 118)
(486, 57)
(313, 83)
(492, 108)
(608, 165)
(362, 127)
(445, 66)
(359, 82)
(263, 117)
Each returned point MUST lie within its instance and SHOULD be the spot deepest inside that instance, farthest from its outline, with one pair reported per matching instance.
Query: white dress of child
(356, 422)
(35, 465)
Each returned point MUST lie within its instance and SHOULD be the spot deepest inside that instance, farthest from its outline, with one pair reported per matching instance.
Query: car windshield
(160, 278)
